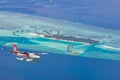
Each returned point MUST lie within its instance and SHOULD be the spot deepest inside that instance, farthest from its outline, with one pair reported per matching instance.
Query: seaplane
(25, 56)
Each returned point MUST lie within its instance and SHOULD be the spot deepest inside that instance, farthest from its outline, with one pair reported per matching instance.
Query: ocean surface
(55, 65)
(97, 13)
(60, 67)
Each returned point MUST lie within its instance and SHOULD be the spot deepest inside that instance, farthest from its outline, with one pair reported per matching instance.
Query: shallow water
(25, 28)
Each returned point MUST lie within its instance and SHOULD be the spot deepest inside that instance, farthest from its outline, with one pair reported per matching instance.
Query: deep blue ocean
(63, 67)
(102, 13)
(58, 67)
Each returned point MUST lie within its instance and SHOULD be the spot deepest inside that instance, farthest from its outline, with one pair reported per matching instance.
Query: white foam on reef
(33, 34)
(12, 22)
(108, 47)
(7, 44)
